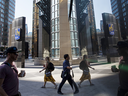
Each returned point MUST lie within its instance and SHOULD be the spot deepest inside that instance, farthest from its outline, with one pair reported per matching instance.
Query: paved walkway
(106, 82)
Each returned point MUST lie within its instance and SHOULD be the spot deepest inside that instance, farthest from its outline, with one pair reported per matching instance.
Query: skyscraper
(35, 29)
(64, 33)
(91, 16)
(7, 14)
(119, 9)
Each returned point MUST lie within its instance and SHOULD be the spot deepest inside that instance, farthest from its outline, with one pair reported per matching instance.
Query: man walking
(9, 83)
(67, 76)
(123, 68)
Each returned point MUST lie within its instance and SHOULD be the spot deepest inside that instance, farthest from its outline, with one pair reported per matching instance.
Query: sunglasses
(15, 53)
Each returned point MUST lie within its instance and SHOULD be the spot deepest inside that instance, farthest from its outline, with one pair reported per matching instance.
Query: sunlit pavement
(106, 82)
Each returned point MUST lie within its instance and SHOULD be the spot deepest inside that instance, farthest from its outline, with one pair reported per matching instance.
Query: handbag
(63, 74)
(85, 72)
(48, 74)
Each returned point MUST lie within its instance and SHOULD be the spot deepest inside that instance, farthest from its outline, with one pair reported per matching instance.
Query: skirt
(84, 77)
(49, 78)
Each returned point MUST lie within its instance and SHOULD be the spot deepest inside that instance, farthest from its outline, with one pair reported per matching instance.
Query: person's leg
(76, 88)
(79, 84)
(61, 84)
(121, 92)
(90, 82)
(44, 85)
(55, 84)
(71, 82)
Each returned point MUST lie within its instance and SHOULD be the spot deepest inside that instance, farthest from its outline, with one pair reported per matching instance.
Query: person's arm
(69, 67)
(88, 63)
(2, 92)
(19, 75)
(44, 67)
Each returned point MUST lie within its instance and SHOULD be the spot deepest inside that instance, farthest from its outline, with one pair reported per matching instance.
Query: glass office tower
(120, 10)
(7, 14)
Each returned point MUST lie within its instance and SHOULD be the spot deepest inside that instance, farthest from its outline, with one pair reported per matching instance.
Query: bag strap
(10, 66)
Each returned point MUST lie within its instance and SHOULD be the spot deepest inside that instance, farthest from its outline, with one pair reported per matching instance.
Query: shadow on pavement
(104, 86)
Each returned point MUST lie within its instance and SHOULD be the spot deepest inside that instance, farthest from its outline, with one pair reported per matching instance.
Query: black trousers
(19, 94)
(71, 82)
(122, 92)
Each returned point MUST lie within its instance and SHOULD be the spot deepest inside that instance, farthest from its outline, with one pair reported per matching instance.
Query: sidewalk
(106, 82)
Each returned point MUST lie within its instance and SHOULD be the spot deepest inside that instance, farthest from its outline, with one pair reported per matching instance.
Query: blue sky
(24, 8)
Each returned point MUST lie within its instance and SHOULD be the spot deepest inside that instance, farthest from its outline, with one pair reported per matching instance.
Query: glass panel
(76, 35)
(53, 15)
(56, 37)
(72, 35)
(77, 52)
(75, 28)
(71, 21)
(74, 15)
(73, 43)
(58, 13)
(55, 27)
(57, 6)
(73, 52)
(56, 20)
(74, 21)
(56, 44)
(58, 27)
(71, 27)
(53, 36)
(76, 43)
(53, 9)
(53, 44)
(56, 1)
(53, 52)
(52, 28)
(57, 53)
(73, 8)
(53, 22)
(52, 2)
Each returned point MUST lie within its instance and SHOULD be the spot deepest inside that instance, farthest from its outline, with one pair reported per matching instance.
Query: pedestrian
(84, 64)
(9, 82)
(123, 68)
(48, 75)
(66, 75)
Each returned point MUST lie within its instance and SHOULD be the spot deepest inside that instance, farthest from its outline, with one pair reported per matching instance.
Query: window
(124, 13)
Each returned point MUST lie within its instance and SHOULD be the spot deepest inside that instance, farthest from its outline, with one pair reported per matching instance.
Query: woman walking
(48, 75)
(84, 64)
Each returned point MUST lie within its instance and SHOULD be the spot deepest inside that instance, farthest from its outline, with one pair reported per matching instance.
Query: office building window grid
(55, 28)
(74, 30)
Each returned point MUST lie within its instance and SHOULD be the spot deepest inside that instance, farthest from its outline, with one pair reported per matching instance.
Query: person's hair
(48, 58)
(65, 56)
(84, 57)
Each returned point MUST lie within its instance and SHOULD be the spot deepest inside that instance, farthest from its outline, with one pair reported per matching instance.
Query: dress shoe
(77, 91)
(60, 93)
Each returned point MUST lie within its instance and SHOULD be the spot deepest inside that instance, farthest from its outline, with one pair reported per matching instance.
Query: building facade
(64, 34)
(7, 14)
(91, 16)
(111, 36)
(35, 29)
(120, 10)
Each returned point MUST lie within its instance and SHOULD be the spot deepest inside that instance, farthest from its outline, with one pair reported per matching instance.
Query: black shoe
(60, 93)
(77, 91)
